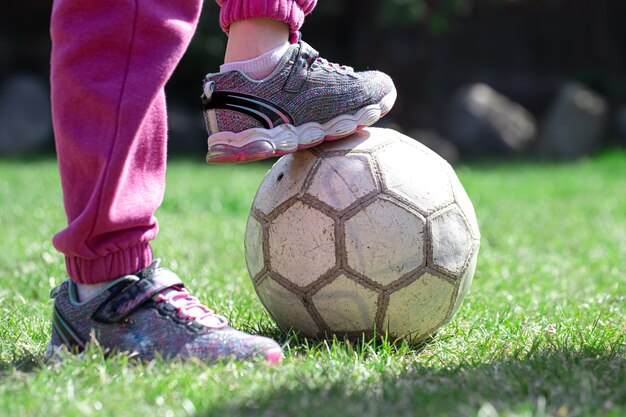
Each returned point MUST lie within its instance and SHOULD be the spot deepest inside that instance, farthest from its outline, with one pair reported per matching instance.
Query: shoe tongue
(194, 312)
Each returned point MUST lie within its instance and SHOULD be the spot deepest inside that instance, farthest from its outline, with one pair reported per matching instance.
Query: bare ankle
(252, 37)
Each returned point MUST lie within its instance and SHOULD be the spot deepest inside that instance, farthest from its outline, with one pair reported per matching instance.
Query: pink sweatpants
(110, 62)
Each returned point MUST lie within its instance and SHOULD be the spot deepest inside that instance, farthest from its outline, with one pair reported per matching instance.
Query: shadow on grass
(360, 344)
(559, 381)
(26, 363)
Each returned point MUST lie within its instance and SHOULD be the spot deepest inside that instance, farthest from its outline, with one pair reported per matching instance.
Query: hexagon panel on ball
(331, 186)
(452, 241)
(301, 244)
(420, 308)
(285, 307)
(346, 305)
(415, 174)
(384, 241)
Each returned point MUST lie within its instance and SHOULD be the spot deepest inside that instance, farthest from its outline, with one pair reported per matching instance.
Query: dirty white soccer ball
(371, 234)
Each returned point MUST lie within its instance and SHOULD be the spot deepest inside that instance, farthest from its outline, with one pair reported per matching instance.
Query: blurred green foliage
(436, 15)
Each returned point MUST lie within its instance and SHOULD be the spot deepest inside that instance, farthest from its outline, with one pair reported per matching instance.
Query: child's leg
(110, 62)
(256, 27)
(291, 12)
(109, 65)
(289, 98)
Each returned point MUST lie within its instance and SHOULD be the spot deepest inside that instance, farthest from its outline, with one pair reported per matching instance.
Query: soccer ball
(372, 234)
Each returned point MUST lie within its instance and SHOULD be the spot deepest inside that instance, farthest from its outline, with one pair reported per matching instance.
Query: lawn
(541, 333)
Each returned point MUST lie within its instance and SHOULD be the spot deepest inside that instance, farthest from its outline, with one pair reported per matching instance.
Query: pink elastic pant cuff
(291, 12)
(113, 265)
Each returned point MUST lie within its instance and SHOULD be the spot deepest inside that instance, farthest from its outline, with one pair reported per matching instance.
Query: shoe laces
(332, 65)
(189, 307)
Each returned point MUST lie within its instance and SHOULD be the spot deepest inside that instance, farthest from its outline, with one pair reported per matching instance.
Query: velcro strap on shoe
(303, 59)
(118, 307)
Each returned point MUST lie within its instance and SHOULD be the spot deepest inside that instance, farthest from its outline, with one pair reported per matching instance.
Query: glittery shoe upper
(150, 314)
(303, 102)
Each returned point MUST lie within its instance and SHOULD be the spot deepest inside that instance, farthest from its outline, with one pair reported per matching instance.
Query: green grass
(541, 333)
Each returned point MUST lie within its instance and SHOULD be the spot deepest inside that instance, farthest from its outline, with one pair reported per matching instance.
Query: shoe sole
(274, 357)
(57, 353)
(258, 143)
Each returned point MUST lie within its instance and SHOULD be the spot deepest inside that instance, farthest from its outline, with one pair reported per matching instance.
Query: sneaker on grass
(303, 102)
(150, 314)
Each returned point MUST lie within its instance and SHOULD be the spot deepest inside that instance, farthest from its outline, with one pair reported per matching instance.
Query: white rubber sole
(289, 138)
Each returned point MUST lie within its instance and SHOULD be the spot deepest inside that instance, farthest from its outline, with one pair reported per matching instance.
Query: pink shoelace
(189, 307)
(324, 61)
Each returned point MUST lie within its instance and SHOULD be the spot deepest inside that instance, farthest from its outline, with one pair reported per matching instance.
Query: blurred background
(476, 78)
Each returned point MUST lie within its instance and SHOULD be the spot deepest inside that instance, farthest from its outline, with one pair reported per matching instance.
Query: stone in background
(25, 120)
(482, 122)
(574, 125)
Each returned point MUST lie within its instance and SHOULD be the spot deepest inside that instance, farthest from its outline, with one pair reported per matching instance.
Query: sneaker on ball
(303, 102)
(146, 315)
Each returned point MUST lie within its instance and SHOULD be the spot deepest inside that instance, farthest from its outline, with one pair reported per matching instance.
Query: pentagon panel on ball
(372, 234)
